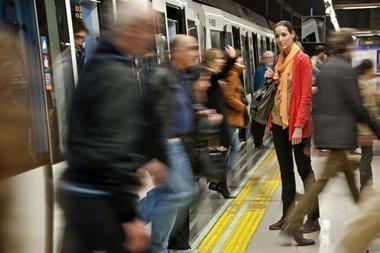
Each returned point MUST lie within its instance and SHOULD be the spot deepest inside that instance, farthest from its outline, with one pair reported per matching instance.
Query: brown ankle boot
(293, 232)
(310, 226)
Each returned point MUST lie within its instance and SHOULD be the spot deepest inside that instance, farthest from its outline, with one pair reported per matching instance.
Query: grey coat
(338, 106)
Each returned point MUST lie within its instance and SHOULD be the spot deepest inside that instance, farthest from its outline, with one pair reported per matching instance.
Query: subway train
(44, 32)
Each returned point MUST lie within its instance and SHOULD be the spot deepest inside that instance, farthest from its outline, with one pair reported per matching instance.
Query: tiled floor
(336, 206)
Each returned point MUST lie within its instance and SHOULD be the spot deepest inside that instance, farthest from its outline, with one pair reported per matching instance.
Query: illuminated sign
(369, 42)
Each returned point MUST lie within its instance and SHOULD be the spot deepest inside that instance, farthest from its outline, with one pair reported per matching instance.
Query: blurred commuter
(196, 145)
(171, 84)
(338, 106)
(371, 98)
(363, 229)
(318, 59)
(291, 123)
(235, 107)
(258, 129)
(214, 61)
(80, 33)
(113, 134)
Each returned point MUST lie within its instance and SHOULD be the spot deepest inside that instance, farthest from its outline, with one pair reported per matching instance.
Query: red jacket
(300, 100)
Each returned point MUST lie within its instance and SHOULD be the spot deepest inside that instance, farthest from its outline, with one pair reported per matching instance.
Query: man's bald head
(181, 40)
(268, 58)
(184, 51)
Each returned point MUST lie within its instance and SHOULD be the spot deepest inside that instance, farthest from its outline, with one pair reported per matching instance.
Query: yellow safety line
(222, 224)
(243, 232)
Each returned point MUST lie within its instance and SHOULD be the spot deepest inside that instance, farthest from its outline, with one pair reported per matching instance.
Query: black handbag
(263, 101)
(247, 117)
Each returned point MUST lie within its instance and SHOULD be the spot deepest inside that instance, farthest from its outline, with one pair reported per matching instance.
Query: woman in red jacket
(291, 122)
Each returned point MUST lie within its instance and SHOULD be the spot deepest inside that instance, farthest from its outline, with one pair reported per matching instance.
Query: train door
(28, 159)
(256, 49)
(273, 47)
(262, 45)
(64, 52)
(247, 57)
(267, 39)
(246, 41)
(236, 37)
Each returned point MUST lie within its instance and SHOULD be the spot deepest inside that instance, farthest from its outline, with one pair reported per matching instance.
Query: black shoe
(278, 225)
(261, 146)
(221, 188)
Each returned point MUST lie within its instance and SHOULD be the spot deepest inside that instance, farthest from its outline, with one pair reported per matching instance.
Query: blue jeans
(162, 205)
(234, 149)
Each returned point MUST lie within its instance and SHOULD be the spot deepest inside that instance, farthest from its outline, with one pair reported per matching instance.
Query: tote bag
(263, 101)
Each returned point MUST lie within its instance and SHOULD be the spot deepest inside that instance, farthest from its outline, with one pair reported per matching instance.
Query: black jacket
(338, 106)
(215, 100)
(113, 129)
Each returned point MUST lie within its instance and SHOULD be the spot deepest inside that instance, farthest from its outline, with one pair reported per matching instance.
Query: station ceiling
(293, 10)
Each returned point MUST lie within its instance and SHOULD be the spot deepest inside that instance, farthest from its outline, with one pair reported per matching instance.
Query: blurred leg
(363, 228)
(180, 236)
(336, 160)
(303, 162)
(178, 194)
(350, 177)
(92, 224)
(234, 149)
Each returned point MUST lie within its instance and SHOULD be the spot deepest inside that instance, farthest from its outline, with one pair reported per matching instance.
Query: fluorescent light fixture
(331, 12)
(357, 6)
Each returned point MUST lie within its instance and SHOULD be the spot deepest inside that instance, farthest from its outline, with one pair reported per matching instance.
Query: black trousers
(92, 224)
(258, 131)
(180, 236)
(365, 168)
(284, 151)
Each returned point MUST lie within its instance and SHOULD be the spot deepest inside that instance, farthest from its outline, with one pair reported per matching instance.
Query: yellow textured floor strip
(242, 234)
(216, 232)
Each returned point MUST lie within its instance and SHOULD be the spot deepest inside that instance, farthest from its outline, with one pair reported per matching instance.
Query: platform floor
(241, 225)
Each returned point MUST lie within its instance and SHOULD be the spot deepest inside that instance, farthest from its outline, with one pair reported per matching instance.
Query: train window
(227, 36)
(57, 64)
(106, 18)
(23, 137)
(87, 13)
(192, 28)
(172, 28)
(176, 20)
(217, 40)
(161, 40)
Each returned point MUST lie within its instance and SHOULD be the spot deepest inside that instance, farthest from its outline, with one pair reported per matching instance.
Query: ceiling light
(357, 6)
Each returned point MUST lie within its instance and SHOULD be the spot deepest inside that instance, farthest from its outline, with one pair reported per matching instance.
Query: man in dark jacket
(171, 85)
(337, 107)
(112, 134)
